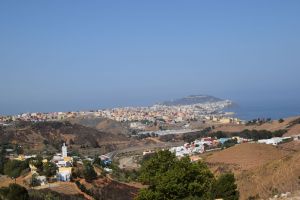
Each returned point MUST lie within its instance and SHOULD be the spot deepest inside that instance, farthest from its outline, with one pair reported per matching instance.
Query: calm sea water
(249, 110)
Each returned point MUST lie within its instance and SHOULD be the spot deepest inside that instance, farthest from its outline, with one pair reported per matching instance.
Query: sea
(254, 110)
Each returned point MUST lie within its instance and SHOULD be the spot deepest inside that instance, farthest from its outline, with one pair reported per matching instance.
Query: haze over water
(249, 111)
(73, 55)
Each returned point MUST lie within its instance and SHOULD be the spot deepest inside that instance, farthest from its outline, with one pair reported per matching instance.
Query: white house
(42, 180)
(273, 141)
(64, 174)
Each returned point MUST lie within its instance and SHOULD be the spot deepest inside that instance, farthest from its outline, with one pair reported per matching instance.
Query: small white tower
(64, 151)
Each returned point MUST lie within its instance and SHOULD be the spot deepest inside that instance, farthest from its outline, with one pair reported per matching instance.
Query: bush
(14, 192)
(171, 178)
(229, 143)
(49, 169)
(219, 134)
(34, 181)
(190, 137)
(259, 134)
(83, 188)
(2, 161)
(226, 188)
(89, 172)
(124, 175)
(14, 168)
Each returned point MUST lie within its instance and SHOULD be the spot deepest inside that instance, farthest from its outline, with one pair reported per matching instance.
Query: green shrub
(14, 192)
(226, 188)
(14, 168)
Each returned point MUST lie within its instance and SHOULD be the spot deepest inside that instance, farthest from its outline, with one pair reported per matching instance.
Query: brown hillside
(260, 169)
(291, 124)
(46, 135)
(247, 156)
(108, 189)
(275, 177)
(102, 124)
(294, 130)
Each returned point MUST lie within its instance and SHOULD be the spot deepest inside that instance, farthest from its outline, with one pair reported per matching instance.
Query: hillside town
(62, 162)
(211, 111)
(66, 169)
(207, 144)
(196, 133)
(61, 165)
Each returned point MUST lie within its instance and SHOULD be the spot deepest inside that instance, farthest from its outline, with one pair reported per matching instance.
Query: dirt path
(68, 188)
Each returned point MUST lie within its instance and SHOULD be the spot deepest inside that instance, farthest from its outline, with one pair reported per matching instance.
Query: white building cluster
(162, 113)
(188, 149)
(277, 140)
(64, 164)
(168, 114)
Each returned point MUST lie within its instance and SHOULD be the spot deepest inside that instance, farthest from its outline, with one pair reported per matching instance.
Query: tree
(230, 143)
(38, 163)
(171, 178)
(219, 134)
(281, 120)
(226, 188)
(14, 192)
(159, 163)
(13, 168)
(34, 181)
(89, 172)
(98, 161)
(49, 169)
(2, 160)
(51, 196)
(19, 149)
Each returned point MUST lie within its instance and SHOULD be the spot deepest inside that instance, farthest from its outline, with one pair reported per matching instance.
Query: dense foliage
(83, 188)
(190, 137)
(258, 121)
(89, 172)
(2, 160)
(14, 192)
(14, 168)
(229, 143)
(172, 178)
(259, 134)
(225, 188)
(48, 168)
(123, 175)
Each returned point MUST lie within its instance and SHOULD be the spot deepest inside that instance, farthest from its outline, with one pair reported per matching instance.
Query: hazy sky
(76, 55)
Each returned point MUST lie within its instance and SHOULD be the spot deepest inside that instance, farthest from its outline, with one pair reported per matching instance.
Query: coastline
(249, 111)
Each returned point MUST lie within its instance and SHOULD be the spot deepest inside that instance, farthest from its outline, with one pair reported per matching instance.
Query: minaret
(64, 151)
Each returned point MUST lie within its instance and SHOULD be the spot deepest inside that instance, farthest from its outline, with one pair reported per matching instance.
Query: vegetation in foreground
(171, 178)
(14, 192)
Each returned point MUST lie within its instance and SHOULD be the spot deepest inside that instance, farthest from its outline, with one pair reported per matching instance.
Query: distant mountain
(192, 99)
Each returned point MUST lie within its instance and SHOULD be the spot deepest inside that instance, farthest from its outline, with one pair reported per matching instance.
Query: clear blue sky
(76, 55)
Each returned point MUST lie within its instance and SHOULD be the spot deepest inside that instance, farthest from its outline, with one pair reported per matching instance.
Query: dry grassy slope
(247, 156)
(278, 176)
(109, 189)
(260, 169)
(294, 130)
(102, 124)
(272, 126)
